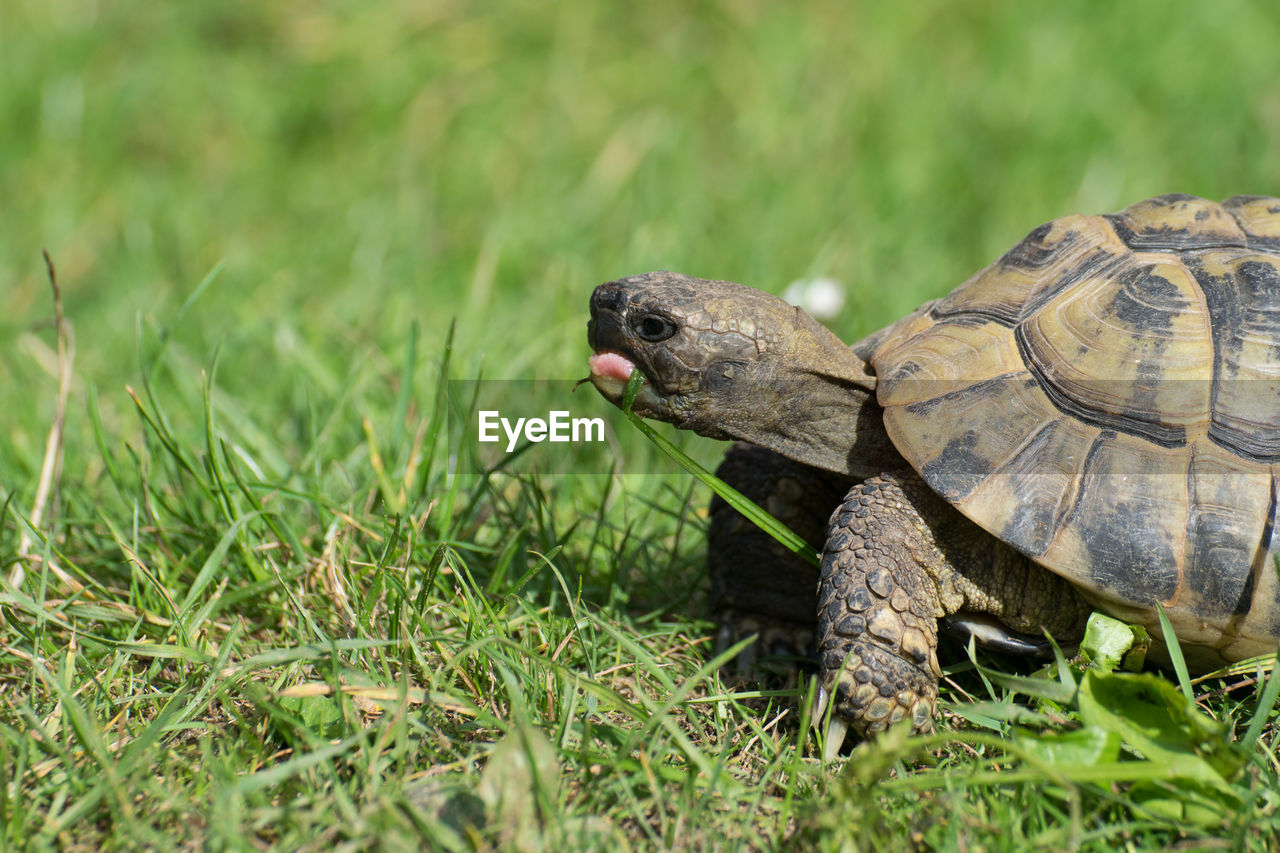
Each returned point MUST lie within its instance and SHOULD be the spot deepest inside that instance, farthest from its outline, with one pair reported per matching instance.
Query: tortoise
(1090, 422)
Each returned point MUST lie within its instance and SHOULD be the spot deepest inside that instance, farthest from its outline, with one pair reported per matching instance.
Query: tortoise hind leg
(757, 585)
(899, 558)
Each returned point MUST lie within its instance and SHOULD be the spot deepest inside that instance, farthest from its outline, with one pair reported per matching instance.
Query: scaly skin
(898, 558)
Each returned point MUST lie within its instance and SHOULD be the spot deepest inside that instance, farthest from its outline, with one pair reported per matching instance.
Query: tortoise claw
(836, 728)
(820, 707)
(836, 733)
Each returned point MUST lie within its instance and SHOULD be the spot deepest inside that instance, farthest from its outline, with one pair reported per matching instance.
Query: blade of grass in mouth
(749, 508)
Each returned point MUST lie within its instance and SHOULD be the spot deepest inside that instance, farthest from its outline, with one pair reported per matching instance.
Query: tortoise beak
(605, 331)
(607, 334)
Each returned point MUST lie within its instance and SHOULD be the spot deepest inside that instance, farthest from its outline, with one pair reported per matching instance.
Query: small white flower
(822, 298)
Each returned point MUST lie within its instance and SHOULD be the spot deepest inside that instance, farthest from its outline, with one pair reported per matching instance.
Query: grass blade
(749, 508)
(1266, 701)
(1175, 654)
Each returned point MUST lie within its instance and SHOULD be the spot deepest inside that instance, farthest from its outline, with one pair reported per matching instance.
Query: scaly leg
(898, 558)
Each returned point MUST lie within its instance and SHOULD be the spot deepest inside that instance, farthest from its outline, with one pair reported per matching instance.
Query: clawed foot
(873, 689)
(780, 647)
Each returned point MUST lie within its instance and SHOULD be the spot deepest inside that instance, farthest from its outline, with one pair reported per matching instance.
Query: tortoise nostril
(608, 297)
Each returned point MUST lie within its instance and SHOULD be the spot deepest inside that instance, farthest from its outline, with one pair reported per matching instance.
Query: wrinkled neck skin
(813, 401)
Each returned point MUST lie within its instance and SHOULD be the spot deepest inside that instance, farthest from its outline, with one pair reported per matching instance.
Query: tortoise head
(731, 362)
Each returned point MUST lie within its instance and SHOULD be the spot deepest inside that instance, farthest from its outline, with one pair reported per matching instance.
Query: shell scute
(1031, 494)
(952, 438)
(1048, 259)
(1229, 502)
(1123, 537)
(1242, 296)
(1259, 218)
(1127, 349)
(1177, 221)
(948, 358)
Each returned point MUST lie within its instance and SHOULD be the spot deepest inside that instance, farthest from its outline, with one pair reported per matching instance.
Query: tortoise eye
(653, 327)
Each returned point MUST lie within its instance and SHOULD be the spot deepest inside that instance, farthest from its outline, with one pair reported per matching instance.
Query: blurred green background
(357, 166)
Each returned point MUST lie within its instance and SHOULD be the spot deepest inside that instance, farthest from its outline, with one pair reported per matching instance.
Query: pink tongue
(610, 364)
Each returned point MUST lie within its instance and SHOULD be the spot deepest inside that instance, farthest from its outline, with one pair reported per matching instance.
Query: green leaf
(998, 715)
(1042, 689)
(1153, 717)
(321, 714)
(1087, 746)
(1185, 801)
(1110, 643)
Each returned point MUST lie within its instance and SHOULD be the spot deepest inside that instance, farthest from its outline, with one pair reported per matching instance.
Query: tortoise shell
(1106, 399)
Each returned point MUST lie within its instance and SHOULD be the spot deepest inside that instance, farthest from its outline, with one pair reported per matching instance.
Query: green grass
(263, 603)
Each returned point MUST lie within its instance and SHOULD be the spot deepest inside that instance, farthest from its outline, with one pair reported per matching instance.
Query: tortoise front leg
(758, 586)
(898, 558)
(878, 611)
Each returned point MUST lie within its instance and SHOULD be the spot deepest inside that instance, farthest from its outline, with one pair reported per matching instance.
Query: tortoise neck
(818, 407)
